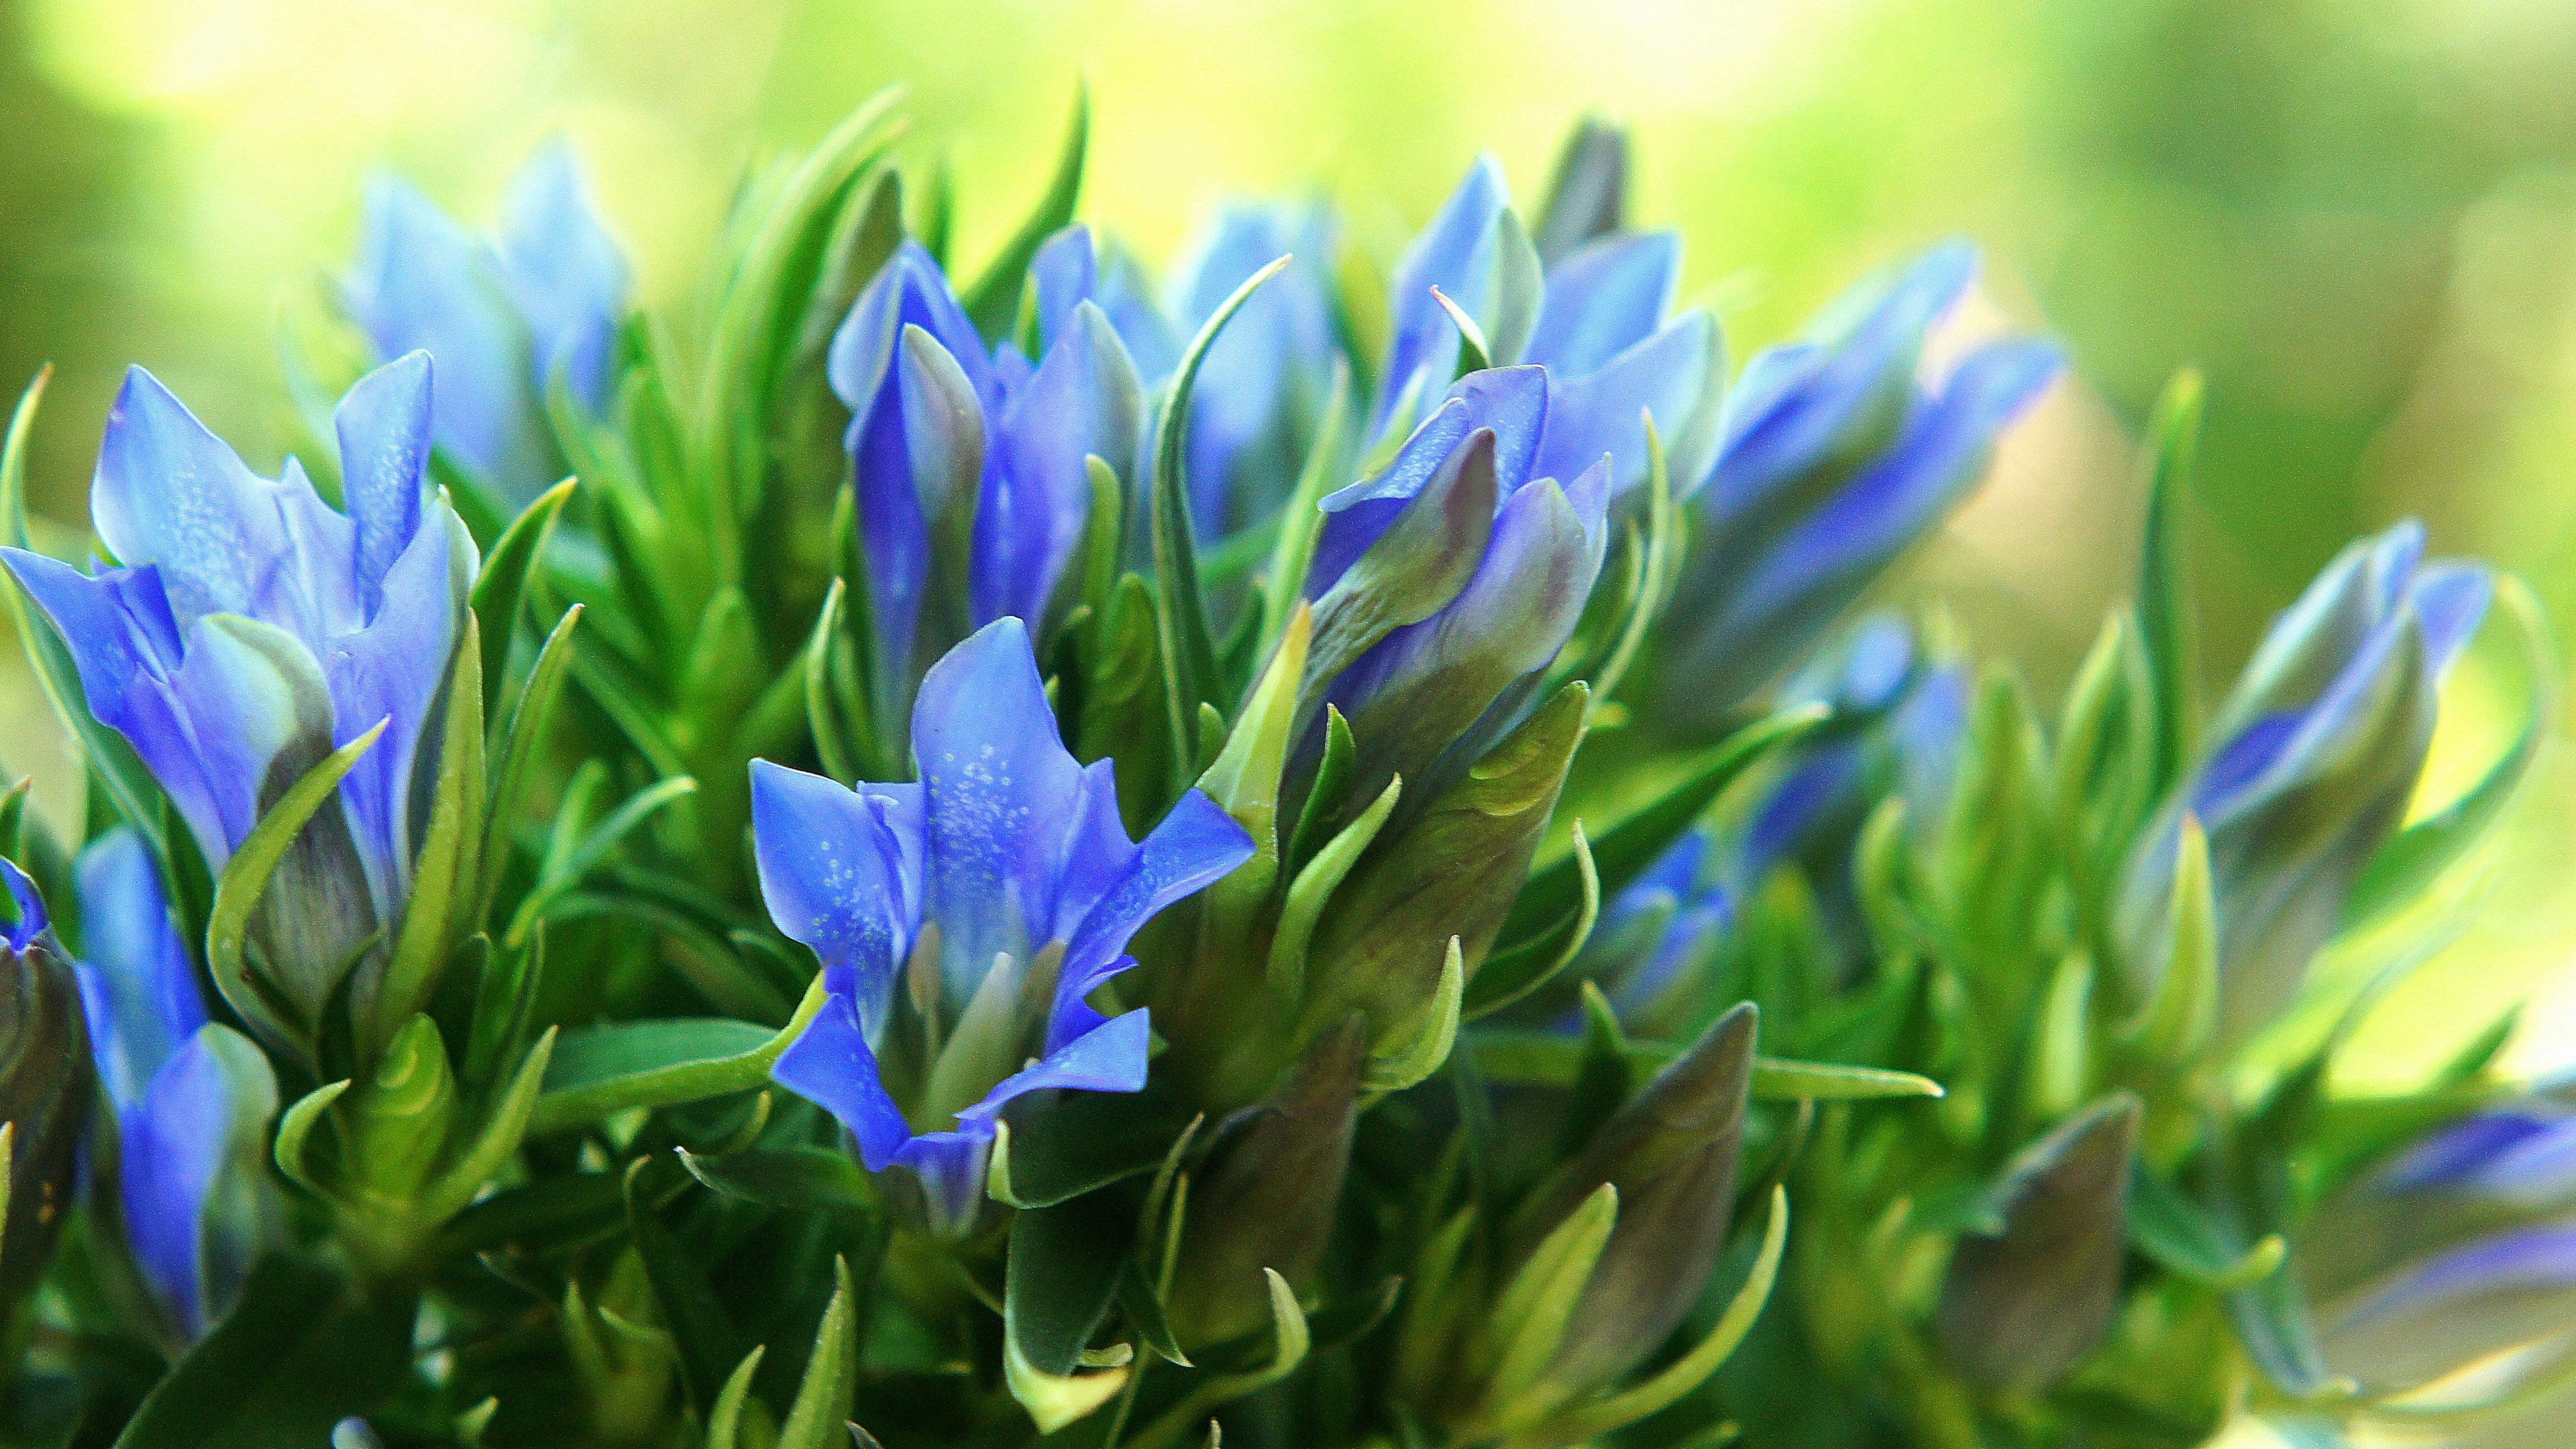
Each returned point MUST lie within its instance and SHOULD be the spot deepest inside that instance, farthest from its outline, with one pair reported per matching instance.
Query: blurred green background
(2357, 216)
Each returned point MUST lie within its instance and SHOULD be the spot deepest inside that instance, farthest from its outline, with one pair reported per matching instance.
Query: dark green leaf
(503, 583)
(301, 1349)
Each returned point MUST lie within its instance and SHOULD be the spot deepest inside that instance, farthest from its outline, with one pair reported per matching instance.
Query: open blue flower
(541, 299)
(965, 921)
(246, 630)
(969, 466)
(1454, 675)
(192, 1099)
(2308, 766)
(1833, 460)
(1595, 321)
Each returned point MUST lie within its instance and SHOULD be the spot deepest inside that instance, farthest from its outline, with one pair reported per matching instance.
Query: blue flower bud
(1455, 671)
(505, 317)
(192, 1100)
(45, 1086)
(1594, 320)
(964, 922)
(2455, 1249)
(1657, 933)
(2308, 768)
(1899, 716)
(1833, 460)
(970, 467)
(247, 630)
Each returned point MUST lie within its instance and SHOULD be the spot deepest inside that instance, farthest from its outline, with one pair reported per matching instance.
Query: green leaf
(992, 301)
(295, 1133)
(1777, 1079)
(503, 583)
(1324, 794)
(758, 316)
(1524, 1057)
(1054, 1146)
(830, 1387)
(1517, 970)
(1291, 1338)
(444, 873)
(725, 1421)
(1586, 1422)
(806, 1179)
(1621, 853)
(604, 1069)
(1314, 886)
(1474, 353)
(842, 737)
(1301, 518)
(520, 747)
(245, 880)
(1063, 1269)
(1537, 1306)
(1412, 1064)
(1655, 551)
(562, 873)
(1180, 614)
(2171, 1229)
(2164, 604)
(701, 1330)
(503, 1127)
(2181, 1013)
(1244, 782)
(300, 1349)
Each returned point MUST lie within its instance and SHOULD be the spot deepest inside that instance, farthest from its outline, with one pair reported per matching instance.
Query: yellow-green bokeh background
(2358, 216)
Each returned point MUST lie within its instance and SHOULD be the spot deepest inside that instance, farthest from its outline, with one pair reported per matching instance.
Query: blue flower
(246, 630)
(1595, 322)
(973, 493)
(1899, 716)
(2308, 767)
(1833, 459)
(2462, 1246)
(1467, 653)
(1658, 933)
(541, 299)
(193, 1100)
(965, 922)
(1266, 380)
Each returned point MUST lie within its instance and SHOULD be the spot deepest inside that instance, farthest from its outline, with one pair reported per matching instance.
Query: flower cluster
(1304, 850)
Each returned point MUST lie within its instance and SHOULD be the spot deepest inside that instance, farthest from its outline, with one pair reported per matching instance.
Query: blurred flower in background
(2357, 216)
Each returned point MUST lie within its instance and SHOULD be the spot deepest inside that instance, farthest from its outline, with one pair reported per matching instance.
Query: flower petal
(1000, 792)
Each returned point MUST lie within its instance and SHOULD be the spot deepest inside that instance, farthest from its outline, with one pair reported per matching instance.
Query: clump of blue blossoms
(1326, 848)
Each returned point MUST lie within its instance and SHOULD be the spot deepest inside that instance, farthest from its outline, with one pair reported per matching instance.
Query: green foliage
(1480, 1094)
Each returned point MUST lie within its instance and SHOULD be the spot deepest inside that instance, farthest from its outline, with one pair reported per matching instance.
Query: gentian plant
(932, 850)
